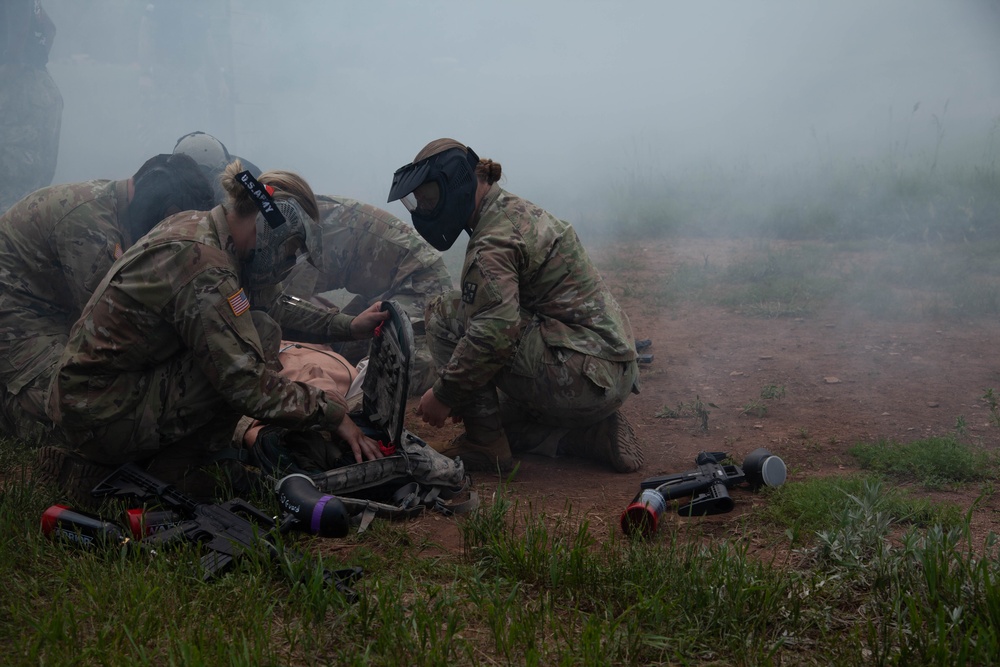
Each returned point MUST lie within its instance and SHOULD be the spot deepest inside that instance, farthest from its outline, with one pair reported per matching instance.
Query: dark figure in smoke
(30, 103)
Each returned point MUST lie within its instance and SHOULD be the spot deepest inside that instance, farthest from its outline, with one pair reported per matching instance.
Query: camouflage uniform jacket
(372, 253)
(176, 292)
(523, 265)
(58, 243)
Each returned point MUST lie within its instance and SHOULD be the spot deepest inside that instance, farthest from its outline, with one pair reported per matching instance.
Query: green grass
(814, 505)
(875, 576)
(933, 462)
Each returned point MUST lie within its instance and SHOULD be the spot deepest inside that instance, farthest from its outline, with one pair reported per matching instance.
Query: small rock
(933, 404)
(830, 379)
(736, 374)
(766, 357)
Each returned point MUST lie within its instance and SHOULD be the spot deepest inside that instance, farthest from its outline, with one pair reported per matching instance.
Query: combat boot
(72, 474)
(479, 457)
(611, 441)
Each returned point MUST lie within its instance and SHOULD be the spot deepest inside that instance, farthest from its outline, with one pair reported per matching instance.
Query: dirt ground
(848, 378)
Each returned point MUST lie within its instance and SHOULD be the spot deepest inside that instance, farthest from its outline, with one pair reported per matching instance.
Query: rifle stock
(226, 530)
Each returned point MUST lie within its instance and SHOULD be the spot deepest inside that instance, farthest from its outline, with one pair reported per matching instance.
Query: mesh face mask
(279, 248)
(286, 235)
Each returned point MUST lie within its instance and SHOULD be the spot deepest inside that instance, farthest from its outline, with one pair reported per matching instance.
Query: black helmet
(166, 184)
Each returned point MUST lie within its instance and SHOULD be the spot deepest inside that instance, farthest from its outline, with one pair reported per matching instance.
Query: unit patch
(469, 292)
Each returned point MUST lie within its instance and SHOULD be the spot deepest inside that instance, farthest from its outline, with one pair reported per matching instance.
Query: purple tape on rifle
(318, 512)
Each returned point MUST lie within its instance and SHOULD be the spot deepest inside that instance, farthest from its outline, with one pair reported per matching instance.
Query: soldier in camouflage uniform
(533, 320)
(55, 246)
(369, 252)
(373, 254)
(167, 354)
(30, 103)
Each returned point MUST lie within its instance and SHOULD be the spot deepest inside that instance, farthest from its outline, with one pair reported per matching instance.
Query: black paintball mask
(440, 194)
(286, 236)
(164, 185)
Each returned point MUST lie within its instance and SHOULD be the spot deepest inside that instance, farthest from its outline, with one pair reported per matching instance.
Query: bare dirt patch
(849, 377)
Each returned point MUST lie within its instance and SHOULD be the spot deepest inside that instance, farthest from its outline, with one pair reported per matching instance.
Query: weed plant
(993, 403)
(758, 407)
(697, 409)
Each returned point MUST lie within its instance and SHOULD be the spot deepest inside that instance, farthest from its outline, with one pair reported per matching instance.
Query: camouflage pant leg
(424, 371)
(571, 390)
(21, 417)
(30, 119)
(479, 409)
(181, 408)
(545, 389)
(26, 369)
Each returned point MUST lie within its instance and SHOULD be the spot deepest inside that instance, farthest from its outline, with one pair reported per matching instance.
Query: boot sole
(626, 454)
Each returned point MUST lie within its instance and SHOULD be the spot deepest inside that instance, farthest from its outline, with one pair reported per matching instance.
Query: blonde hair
(486, 170)
(286, 184)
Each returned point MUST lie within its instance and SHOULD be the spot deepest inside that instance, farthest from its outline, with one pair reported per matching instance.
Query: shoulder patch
(118, 251)
(239, 302)
(469, 292)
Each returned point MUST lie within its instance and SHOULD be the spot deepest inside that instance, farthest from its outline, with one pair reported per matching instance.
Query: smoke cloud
(570, 97)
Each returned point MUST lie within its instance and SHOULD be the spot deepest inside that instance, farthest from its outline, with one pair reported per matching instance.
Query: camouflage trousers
(30, 119)
(541, 392)
(26, 369)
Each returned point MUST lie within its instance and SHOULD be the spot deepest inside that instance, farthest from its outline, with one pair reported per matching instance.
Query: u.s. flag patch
(239, 302)
(118, 250)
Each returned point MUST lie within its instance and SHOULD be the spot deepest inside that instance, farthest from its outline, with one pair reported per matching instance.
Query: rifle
(228, 530)
(708, 485)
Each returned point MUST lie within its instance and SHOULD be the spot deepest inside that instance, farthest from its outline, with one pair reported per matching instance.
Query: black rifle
(708, 485)
(228, 530)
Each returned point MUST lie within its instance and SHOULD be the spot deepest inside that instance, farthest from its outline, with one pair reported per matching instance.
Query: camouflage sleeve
(490, 295)
(88, 243)
(306, 322)
(212, 316)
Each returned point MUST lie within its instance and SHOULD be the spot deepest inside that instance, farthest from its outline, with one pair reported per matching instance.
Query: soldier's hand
(431, 410)
(362, 446)
(363, 325)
